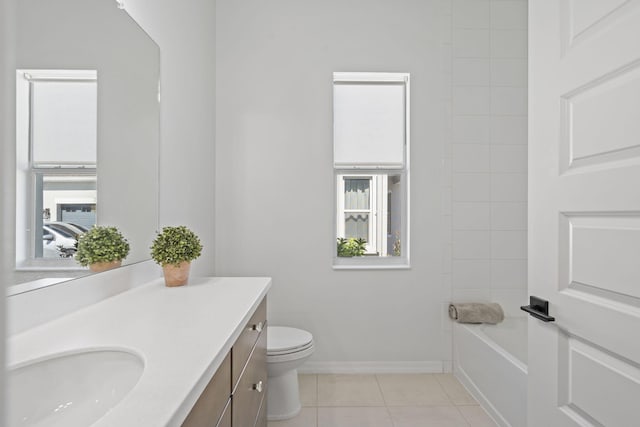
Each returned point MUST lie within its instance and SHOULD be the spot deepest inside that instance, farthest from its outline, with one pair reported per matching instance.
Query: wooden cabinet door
(251, 387)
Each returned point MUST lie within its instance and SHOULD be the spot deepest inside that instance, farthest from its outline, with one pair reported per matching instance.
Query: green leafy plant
(175, 245)
(101, 244)
(351, 247)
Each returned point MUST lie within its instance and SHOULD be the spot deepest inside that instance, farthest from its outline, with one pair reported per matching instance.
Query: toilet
(287, 349)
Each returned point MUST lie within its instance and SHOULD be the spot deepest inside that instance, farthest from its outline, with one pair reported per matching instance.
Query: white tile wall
(508, 43)
(508, 273)
(471, 129)
(471, 100)
(488, 149)
(508, 72)
(471, 43)
(508, 215)
(471, 244)
(471, 14)
(471, 187)
(508, 130)
(508, 244)
(508, 101)
(508, 187)
(472, 71)
(471, 157)
(508, 158)
(471, 274)
(472, 215)
(509, 15)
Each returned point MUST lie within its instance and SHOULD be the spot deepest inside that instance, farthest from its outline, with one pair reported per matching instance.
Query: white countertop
(183, 335)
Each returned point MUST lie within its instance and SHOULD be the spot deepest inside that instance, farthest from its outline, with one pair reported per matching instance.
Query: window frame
(374, 260)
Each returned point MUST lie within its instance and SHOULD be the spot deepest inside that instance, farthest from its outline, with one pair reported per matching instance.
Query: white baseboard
(412, 367)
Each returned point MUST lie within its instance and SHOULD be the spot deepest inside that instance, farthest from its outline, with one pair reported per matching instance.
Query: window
(371, 166)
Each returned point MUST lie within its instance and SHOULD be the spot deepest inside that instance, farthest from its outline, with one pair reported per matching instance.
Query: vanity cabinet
(236, 395)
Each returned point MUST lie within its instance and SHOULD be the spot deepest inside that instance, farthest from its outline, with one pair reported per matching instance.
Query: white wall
(487, 160)
(185, 32)
(7, 171)
(274, 177)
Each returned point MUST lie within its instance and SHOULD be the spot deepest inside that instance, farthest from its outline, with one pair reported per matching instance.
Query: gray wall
(185, 32)
(274, 177)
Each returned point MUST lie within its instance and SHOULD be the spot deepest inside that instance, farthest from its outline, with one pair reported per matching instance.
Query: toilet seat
(282, 340)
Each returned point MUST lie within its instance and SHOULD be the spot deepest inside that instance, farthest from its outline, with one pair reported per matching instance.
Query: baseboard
(411, 367)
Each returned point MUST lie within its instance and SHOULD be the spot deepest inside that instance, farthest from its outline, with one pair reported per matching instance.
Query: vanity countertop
(183, 334)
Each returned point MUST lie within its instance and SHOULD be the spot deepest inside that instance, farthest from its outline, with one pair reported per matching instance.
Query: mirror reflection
(87, 133)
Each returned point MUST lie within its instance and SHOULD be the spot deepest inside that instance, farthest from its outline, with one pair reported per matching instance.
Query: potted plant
(174, 249)
(102, 248)
(351, 247)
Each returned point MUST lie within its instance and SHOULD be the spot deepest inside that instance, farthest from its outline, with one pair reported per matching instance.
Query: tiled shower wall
(485, 153)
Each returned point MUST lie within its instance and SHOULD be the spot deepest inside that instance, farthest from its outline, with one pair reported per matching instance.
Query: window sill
(371, 263)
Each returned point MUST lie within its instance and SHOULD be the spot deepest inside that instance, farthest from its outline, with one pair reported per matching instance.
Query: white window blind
(64, 122)
(369, 124)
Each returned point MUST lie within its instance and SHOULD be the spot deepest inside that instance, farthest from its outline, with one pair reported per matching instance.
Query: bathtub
(491, 362)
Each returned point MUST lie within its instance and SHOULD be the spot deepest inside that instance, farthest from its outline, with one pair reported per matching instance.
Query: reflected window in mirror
(56, 163)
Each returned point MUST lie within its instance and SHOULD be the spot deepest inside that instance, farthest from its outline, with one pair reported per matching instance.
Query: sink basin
(71, 389)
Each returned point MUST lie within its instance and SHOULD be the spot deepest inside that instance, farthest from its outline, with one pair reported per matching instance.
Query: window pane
(356, 193)
(356, 225)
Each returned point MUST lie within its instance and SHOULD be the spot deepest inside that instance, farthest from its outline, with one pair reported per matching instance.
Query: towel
(475, 312)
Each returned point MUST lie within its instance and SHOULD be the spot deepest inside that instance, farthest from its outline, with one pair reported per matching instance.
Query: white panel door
(584, 212)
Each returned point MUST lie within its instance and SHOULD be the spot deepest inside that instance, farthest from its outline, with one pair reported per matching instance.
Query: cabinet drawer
(211, 403)
(243, 346)
(251, 387)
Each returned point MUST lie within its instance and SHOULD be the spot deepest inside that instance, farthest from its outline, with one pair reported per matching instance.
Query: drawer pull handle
(258, 327)
(258, 387)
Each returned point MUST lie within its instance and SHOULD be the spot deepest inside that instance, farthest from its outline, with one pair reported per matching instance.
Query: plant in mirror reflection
(101, 244)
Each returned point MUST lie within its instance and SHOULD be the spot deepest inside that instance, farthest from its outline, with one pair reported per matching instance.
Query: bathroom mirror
(99, 47)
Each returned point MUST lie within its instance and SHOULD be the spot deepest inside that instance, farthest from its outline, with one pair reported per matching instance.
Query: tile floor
(388, 400)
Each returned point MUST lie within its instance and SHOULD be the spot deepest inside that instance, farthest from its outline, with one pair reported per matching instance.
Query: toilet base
(283, 396)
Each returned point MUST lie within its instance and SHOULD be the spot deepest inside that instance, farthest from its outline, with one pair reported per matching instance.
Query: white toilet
(287, 349)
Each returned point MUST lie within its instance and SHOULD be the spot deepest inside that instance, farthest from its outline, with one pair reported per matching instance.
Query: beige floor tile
(412, 390)
(308, 389)
(349, 390)
(476, 416)
(354, 417)
(306, 418)
(427, 416)
(456, 392)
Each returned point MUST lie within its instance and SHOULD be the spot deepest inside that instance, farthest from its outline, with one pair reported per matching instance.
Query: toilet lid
(284, 339)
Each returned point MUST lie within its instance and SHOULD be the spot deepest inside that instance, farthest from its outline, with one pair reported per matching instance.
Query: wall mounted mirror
(87, 134)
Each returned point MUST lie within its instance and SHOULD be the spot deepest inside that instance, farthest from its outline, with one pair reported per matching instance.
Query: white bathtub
(491, 362)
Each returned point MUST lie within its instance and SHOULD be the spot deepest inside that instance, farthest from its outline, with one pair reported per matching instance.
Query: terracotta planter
(97, 267)
(176, 274)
